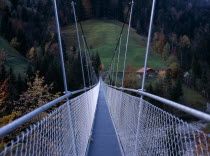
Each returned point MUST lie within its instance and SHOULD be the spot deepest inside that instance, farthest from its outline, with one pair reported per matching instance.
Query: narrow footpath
(105, 141)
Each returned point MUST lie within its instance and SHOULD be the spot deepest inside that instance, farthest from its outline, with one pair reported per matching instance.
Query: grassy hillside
(14, 59)
(102, 36)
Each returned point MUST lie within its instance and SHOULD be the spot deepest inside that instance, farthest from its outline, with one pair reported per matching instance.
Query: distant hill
(14, 59)
(102, 36)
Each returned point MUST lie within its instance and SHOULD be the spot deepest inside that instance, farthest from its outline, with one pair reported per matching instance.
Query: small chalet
(150, 72)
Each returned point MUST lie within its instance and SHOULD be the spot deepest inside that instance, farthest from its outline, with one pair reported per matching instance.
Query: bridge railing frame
(181, 107)
(157, 127)
(24, 119)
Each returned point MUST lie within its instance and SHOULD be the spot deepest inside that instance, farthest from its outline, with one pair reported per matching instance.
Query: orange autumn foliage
(3, 94)
(159, 42)
(201, 144)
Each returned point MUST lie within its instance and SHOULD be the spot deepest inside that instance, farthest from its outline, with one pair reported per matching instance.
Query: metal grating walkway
(105, 141)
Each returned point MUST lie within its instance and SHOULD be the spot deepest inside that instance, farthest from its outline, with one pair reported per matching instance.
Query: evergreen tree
(168, 85)
(80, 10)
(177, 90)
(11, 76)
(196, 70)
(29, 72)
(97, 63)
(20, 84)
(150, 89)
(14, 3)
(120, 10)
(88, 8)
(3, 73)
(12, 86)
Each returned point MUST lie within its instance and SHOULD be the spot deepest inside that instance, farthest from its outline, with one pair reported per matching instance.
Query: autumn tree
(184, 46)
(97, 63)
(184, 42)
(175, 69)
(168, 85)
(12, 85)
(3, 73)
(173, 40)
(130, 77)
(2, 57)
(37, 94)
(4, 94)
(14, 42)
(177, 90)
(166, 51)
(159, 42)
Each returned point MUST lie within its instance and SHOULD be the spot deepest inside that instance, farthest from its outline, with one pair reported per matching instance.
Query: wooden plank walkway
(105, 141)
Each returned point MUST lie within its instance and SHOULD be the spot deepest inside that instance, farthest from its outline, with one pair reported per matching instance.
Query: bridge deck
(105, 141)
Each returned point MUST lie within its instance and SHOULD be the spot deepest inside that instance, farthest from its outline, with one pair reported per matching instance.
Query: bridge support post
(144, 75)
(60, 47)
(64, 72)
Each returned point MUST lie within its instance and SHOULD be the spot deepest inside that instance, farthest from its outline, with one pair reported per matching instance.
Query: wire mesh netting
(64, 131)
(145, 129)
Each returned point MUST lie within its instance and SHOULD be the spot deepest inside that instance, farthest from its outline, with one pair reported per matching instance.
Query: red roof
(142, 70)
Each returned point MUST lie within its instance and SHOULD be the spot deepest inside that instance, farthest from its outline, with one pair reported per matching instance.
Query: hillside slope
(102, 36)
(14, 59)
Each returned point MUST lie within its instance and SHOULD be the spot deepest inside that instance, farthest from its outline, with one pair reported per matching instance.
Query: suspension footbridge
(104, 119)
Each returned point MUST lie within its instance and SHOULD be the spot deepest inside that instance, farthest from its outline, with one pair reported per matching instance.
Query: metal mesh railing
(159, 133)
(64, 131)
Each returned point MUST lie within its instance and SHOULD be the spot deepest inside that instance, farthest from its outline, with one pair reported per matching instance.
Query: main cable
(118, 42)
(88, 52)
(79, 44)
(126, 50)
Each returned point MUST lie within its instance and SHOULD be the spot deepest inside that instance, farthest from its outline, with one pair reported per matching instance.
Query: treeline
(180, 34)
(181, 37)
(29, 27)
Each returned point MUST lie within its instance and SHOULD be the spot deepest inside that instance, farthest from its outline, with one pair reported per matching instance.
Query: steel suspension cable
(126, 50)
(60, 47)
(88, 51)
(64, 76)
(127, 14)
(79, 44)
(86, 59)
(113, 68)
(145, 72)
(118, 61)
(148, 45)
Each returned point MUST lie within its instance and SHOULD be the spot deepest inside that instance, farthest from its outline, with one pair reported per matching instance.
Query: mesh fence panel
(64, 131)
(156, 132)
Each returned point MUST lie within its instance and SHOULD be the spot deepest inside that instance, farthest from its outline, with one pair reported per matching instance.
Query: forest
(181, 36)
